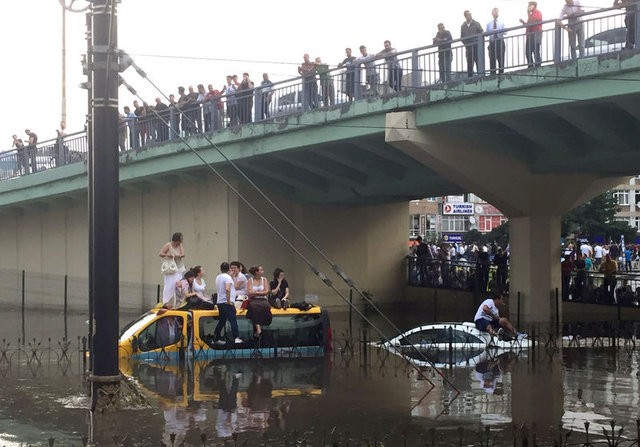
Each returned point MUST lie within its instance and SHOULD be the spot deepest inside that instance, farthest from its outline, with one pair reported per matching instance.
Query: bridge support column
(534, 203)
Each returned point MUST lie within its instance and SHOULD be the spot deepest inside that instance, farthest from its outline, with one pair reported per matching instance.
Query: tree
(597, 218)
(499, 235)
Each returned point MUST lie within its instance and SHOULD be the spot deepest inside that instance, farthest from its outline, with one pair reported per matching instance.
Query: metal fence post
(480, 50)
(557, 312)
(357, 86)
(258, 104)
(173, 118)
(634, 9)
(557, 45)
(416, 74)
(23, 303)
(518, 314)
(66, 288)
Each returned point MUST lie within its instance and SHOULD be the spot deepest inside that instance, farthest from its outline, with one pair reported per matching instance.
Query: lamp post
(67, 5)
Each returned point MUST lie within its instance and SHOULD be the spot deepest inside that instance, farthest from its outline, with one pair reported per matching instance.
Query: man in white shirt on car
(487, 318)
(226, 307)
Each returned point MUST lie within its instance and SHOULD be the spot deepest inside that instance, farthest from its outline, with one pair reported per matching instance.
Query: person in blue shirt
(495, 32)
(627, 259)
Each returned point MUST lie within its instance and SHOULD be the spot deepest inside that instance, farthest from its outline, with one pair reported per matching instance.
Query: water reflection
(245, 396)
(367, 392)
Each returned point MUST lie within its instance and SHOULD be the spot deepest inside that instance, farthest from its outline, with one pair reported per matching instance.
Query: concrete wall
(367, 242)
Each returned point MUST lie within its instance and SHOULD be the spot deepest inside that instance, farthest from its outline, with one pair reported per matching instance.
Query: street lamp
(67, 5)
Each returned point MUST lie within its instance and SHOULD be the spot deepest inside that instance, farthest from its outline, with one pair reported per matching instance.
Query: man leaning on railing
(572, 10)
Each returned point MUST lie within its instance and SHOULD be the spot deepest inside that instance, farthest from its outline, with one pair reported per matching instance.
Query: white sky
(239, 36)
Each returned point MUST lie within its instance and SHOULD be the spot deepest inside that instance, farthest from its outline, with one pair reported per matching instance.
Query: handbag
(169, 266)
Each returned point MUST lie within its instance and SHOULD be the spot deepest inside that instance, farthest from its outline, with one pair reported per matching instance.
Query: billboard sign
(452, 237)
(460, 209)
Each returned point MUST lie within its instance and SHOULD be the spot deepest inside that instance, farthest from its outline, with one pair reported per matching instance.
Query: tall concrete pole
(103, 199)
(63, 116)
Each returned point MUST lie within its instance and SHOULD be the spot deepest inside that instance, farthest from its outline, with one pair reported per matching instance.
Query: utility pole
(103, 206)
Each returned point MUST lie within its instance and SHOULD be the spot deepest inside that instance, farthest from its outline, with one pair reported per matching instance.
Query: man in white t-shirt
(488, 318)
(597, 255)
(226, 308)
(586, 250)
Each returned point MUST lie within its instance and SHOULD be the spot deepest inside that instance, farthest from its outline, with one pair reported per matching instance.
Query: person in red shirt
(533, 34)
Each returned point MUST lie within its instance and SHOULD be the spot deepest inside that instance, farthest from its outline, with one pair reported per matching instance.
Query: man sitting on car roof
(488, 319)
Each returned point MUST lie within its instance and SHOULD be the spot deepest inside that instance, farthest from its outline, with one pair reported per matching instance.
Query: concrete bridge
(535, 142)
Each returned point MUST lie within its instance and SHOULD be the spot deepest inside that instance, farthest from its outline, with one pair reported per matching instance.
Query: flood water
(358, 392)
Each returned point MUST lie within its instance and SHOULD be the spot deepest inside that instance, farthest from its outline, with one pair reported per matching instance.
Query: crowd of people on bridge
(235, 288)
(241, 101)
(29, 158)
(198, 110)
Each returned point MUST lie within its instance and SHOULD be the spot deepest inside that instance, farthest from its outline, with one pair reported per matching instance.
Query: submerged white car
(451, 344)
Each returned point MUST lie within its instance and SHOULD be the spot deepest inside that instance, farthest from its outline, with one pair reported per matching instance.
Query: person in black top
(279, 290)
(422, 254)
(500, 260)
(349, 77)
(443, 40)
(470, 33)
(482, 267)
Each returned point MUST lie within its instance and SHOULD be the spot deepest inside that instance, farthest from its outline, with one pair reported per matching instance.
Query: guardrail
(586, 287)
(428, 67)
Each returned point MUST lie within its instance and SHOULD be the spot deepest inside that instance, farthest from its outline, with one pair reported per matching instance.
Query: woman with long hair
(258, 309)
(172, 254)
(198, 298)
(279, 290)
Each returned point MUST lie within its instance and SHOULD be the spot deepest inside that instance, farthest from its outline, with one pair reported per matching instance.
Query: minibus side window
(163, 332)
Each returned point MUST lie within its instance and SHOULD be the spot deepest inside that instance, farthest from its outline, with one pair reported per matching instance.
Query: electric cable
(317, 272)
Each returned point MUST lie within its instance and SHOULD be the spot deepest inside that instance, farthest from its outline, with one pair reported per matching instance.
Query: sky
(188, 42)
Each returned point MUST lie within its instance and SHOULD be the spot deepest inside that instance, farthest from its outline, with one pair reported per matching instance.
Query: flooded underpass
(359, 394)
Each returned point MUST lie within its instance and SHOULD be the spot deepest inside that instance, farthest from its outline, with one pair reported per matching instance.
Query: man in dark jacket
(470, 33)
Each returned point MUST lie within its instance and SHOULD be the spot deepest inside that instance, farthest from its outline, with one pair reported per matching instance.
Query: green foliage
(499, 235)
(597, 217)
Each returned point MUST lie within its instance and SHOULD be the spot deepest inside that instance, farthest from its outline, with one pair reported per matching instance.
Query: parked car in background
(606, 42)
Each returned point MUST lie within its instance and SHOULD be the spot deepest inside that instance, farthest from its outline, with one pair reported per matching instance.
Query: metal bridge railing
(424, 68)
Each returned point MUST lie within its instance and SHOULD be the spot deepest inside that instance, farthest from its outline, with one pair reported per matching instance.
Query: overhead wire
(316, 271)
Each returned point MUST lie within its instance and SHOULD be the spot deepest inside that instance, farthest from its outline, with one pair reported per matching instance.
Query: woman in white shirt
(258, 309)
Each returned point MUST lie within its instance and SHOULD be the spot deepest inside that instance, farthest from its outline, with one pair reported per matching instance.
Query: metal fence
(587, 287)
(517, 436)
(55, 300)
(418, 69)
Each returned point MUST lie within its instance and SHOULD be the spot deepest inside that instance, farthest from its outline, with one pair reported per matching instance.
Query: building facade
(448, 218)
(628, 195)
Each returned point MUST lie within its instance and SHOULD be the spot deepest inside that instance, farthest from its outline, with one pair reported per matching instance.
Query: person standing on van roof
(226, 308)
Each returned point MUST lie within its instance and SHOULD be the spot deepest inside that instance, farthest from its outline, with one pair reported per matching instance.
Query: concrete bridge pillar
(534, 203)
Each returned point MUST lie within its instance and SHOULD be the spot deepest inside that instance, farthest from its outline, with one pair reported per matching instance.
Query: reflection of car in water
(177, 334)
(606, 42)
(248, 396)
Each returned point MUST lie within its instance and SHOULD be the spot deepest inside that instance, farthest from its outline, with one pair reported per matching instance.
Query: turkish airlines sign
(457, 208)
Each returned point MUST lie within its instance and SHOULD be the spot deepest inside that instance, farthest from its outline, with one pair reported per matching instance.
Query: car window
(609, 37)
(288, 99)
(163, 332)
(443, 335)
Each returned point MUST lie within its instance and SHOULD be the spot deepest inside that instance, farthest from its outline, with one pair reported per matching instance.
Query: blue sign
(452, 237)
